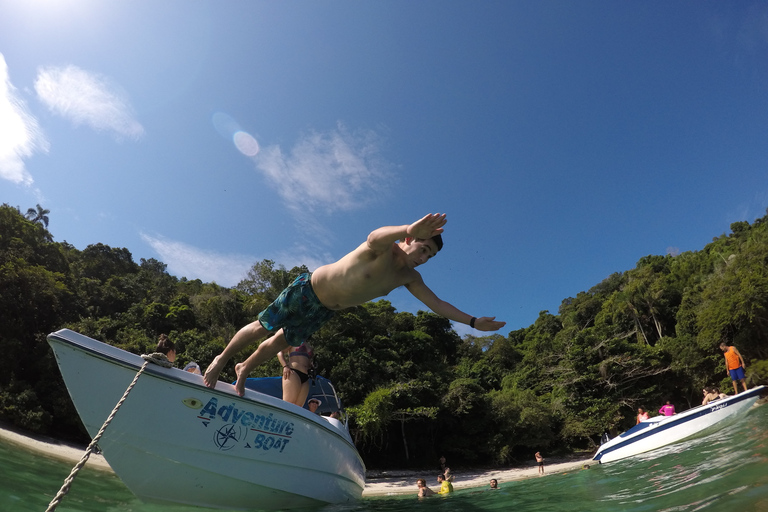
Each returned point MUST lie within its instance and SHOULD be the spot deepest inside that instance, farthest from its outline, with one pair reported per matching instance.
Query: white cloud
(748, 209)
(20, 135)
(86, 98)
(463, 329)
(302, 255)
(186, 261)
(327, 172)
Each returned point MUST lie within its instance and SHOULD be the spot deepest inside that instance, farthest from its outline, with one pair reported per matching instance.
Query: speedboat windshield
(320, 388)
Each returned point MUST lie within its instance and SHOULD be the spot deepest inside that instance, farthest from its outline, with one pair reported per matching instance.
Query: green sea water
(724, 471)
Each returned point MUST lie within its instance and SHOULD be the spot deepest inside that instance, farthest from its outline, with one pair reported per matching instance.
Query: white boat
(660, 431)
(176, 441)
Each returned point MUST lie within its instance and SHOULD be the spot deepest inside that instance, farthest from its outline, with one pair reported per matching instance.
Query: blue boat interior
(319, 388)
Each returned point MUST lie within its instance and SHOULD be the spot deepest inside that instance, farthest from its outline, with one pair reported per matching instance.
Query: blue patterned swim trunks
(297, 310)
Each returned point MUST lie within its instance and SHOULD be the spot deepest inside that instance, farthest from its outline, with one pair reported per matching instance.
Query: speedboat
(173, 440)
(660, 431)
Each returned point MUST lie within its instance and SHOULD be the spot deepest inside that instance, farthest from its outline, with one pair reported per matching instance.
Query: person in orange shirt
(734, 366)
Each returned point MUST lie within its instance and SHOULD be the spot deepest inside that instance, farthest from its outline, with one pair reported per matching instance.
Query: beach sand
(378, 483)
(52, 448)
(384, 483)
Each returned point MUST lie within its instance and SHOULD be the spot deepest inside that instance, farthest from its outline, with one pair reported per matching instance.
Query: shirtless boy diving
(375, 268)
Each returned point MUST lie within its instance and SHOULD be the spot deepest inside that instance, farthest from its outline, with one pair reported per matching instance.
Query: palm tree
(39, 215)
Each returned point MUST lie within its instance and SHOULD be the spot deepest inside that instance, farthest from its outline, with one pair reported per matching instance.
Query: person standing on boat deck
(297, 363)
(540, 461)
(167, 347)
(667, 409)
(385, 261)
(642, 414)
(734, 366)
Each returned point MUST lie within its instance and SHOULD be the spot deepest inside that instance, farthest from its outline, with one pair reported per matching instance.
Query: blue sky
(564, 140)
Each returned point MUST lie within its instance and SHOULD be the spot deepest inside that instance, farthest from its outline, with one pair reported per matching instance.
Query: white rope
(155, 358)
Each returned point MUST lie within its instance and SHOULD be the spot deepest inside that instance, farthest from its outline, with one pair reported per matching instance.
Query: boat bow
(175, 440)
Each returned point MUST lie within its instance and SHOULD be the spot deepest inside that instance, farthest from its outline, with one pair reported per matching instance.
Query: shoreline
(49, 447)
(391, 483)
(378, 483)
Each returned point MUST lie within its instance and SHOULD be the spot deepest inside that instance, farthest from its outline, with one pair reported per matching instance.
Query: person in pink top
(642, 414)
(667, 409)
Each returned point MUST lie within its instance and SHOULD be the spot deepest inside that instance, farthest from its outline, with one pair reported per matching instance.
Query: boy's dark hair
(438, 239)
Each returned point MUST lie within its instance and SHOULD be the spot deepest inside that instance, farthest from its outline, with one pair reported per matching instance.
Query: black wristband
(472, 322)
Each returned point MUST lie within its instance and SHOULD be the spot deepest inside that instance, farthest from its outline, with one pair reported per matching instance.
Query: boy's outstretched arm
(428, 226)
(422, 292)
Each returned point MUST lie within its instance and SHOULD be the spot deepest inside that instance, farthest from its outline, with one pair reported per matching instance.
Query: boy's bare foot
(242, 374)
(211, 376)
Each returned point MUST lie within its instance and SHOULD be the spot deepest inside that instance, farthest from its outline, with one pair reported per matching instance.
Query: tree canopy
(413, 387)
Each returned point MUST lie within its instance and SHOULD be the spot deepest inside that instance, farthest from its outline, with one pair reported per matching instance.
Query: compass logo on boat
(228, 436)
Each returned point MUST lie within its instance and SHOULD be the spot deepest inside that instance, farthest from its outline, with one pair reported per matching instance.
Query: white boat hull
(174, 440)
(661, 431)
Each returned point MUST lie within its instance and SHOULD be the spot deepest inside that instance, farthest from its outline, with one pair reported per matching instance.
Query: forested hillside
(414, 388)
